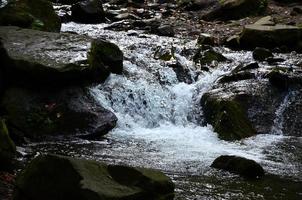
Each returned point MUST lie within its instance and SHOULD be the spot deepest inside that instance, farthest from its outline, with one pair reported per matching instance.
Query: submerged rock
(236, 9)
(239, 165)
(34, 14)
(279, 36)
(77, 179)
(7, 147)
(37, 113)
(35, 57)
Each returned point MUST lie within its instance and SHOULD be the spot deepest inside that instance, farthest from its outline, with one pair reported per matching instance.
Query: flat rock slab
(278, 36)
(52, 58)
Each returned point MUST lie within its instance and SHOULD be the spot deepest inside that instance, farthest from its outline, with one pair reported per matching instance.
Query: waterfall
(277, 127)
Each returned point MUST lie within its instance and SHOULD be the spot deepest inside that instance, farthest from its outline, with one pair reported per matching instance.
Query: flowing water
(159, 125)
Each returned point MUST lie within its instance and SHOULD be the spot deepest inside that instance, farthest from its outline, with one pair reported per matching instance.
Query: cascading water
(159, 117)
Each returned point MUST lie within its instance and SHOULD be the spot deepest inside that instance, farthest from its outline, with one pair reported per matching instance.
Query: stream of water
(159, 124)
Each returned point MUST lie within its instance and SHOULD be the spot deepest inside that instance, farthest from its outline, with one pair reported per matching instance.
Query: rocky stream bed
(146, 86)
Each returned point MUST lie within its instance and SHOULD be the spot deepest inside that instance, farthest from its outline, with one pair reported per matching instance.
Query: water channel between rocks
(159, 124)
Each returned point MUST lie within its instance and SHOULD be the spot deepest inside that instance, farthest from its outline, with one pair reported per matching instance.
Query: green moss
(36, 14)
(228, 118)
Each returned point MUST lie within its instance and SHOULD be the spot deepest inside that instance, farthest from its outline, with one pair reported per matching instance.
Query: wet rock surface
(239, 165)
(57, 59)
(83, 179)
(37, 114)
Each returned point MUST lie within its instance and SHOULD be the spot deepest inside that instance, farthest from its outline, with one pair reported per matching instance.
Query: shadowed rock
(239, 165)
(77, 179)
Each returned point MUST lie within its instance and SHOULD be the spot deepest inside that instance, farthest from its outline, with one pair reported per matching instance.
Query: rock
(262, 54)
(36, 113)
(292, 121)
(284, 79)
(236, 9)
(54, 59)
(266, 21)
(194, 5)
(237, 77)
(163, 53)
(89, 11)
(208, 56)
(182, 72)
(34, 14)
(66, 2)
(76, 179)
(206, 39)
(271, 37)
(239, 165)
(164, 30)
(7, 147)
(232, 42)
(249, 66)
(228, 117)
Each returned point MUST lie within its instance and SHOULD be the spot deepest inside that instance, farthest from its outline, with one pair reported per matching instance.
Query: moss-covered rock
(228, 117)
(40, 113)
(239, 165)
(57, 59)
(279, 36)
(236, 9)
(34, 14)
(7, 147)
(77, 179)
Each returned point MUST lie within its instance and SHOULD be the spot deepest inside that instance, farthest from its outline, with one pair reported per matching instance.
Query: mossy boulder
(239, 165)
(236, 9)
(34, 14)
(45, 58)
(52, 177)
(36, 113)
(7, 147)
(228, 118)
(284, 37)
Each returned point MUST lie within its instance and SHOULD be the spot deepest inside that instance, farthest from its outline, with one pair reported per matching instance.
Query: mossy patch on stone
(35, 14)
(228, 118)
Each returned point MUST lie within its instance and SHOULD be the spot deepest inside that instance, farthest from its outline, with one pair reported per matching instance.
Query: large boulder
(7, 147)
(36, 57)
(89, 11)
(35, 14)
(239, 165)
(38, 113)
(242, 104)
(236, 9)
(284, 37)
(52, 177)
